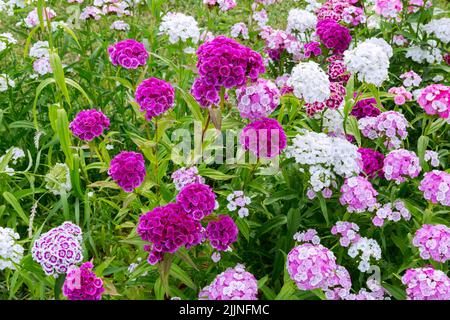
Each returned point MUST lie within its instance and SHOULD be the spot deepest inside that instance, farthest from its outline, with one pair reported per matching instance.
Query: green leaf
(9, 197)
(276, 222)
(243, 228)
(64, 135)
(214, 174)
(182, 275)
(58, 74)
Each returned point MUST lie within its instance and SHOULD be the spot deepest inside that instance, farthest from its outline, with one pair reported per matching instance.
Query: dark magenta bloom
(372, 161)
(333, 35)
(155, 96)
(265, 138)
(337, 71)
(82, 283)
(365, 108)
(222, 233)
(168, 228)
(197, 200)
(129, 54)
(128, 170)
(205, 94)
(89, 124)
(312, 48)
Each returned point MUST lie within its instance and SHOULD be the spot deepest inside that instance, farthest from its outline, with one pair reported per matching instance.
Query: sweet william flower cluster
(433, 242)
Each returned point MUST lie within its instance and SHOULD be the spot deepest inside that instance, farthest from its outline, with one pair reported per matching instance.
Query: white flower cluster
(301, 21)
(120, 25)
(238, 199)
(310, 82)
(367, 249)
(325, 158)
(15, 155)
(369, 60)
(6, 39)
(440, 28)
(41, 65)
(431, 54)
(179, 27)
(6, 82)
(333, 121)
(39, 49)
(432, 157)
(239, 29)
(10, 5)
(11, 252)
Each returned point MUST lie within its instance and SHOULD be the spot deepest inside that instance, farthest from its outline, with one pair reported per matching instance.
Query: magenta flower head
(82, 283)
(129, 54)
(232, 284)
(89, 124)
(337, 71)
(435, 99)
(206, 94)
(265, 138)
(435, 186)
(426, 284)
(128, 170)
(365, 108)
(433, 242)
(168, 228)
(222, 233)
(155, 96)
(312, 48)
(400, 164)
(358, 194)
(333, 35)
(257, 100)
(58, 249)
(197, 200)
(372, 161)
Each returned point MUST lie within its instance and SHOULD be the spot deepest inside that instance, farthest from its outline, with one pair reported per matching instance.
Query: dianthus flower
(168, 228)
(197, 200)
(32, 19)
(334, 101)
(337, 71)
(310, 82)
(433, 242)
(401, 95)
(222, 233)
(309, 235)
(42, 66)
(239, 29)
(440, 28)
(155, 96)
(426, 284)
(353, 15)
(339, 285)
(238, 199)
(232, 284)
(435, 186)
(204, 93)
(372, 161)
(279, 41)
(58, 179)
(179, 27)
(312, 48)
(128, 170)
(435, 99)
(333, 35)
(388, 8)
(391, 213)
(257, 100)
(120, 25)
(358, 194)
(367, 249)
(400, 164)
(265, 138)
(224, 5)
(348, 232)
(89, 124)
(411, 79)
(91, 12)
(185, 176)
(11, 253)
(301, 21)
(432, 157)
(129, 54)
(58, 249)
(82, 283)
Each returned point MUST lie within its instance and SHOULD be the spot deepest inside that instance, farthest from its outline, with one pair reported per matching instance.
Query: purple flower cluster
(82, 283)
(265, 138)
(365, 108)
(348, 232)
(185, 176)
(435, 99)
(337, 94)
(222, 232)
(168, 228)
(58, 249)
(435, 186)
(197, 200)
(309, 235)
(358, 194)
(433, 242)
(128, 170)
(154, 96)
(372, 162)
(333, 35)
(387, 212)
(426, 284)
(129, 54)
(206, 94)
(257, 100)
(89, 124)
(400, 164)
(339, 285)
(232, 284)
(312, 48)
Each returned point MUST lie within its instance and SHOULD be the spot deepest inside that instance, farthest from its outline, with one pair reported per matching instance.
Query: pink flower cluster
(401, 95)
(257, 100)
(372, 162)
(387, 212)
(224, 5)
(433, 242)
(155, 96)
(435, 186)
(365, 108)
(168, 228)
(388, 8)
(82, 283)
(58, 249)
(311, 48)
(222, 232)
(197, 200)
(129, 54)
(348, 232)
(435, 99)
(333, 35)
(426, 284)
(358, 194)
(128, 170)
(411, 79)
(309, 235)
(337, 71)
(185, 176)
(353, 15)
(265, 138)
(232, 284)
(339, 285)
(279, 41)
(333, 9)
(400, 164)
(89, 124)
(337, 94)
